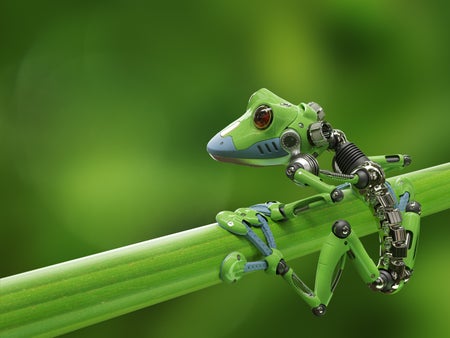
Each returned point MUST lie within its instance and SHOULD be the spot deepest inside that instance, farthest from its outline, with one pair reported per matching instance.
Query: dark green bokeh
(106, 108)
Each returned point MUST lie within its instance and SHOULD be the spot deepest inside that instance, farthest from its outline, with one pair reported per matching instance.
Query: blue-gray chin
(263, 153)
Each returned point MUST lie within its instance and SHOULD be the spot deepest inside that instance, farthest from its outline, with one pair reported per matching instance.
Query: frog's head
(271, 132)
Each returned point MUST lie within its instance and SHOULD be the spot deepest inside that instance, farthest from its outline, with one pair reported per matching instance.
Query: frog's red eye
(262, 117)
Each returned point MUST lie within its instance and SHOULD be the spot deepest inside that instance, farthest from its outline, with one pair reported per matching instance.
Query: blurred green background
(106, 108)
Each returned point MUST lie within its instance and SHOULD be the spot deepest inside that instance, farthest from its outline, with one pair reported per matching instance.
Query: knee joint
(341, 229)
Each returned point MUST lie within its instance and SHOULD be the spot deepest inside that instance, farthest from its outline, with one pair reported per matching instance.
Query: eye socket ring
(262, 118)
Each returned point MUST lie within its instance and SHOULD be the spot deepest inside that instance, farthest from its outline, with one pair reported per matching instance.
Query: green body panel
(275, 212)
(231, 222)
(301, 289)
(391, 163)
(332, 257)
(331, 262)
(248, 214)
(292, 209)
(301, 124)
(272, 260)
(305, 177)
(232, 268)
(411, 222)
(285, 115)
(245, 134)
(363, 263)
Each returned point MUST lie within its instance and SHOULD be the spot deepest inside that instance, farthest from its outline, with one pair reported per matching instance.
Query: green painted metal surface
(71, 295)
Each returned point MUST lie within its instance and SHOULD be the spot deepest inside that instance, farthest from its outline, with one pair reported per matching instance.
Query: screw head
(319, 310)
(341, 229)
(337, 195)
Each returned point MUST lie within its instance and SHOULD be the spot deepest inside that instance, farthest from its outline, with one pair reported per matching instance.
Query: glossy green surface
(71, 295)
(285, 115)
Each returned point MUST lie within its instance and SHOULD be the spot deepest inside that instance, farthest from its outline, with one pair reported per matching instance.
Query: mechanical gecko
(273, 131)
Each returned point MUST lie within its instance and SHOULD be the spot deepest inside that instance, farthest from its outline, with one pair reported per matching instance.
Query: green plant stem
(64, 297)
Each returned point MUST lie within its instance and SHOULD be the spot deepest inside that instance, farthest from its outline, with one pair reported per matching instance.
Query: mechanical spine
(393, 238)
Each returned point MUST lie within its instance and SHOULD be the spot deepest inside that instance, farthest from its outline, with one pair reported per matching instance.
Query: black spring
(348, 157)
(336, 175)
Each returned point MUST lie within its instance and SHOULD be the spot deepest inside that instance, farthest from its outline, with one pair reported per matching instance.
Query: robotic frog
(275, 132)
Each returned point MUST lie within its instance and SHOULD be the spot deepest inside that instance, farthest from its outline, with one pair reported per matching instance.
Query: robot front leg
(240, 222)
(235, 264)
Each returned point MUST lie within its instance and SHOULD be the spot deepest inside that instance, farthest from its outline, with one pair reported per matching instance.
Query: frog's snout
(222, 148)
(265, 152)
